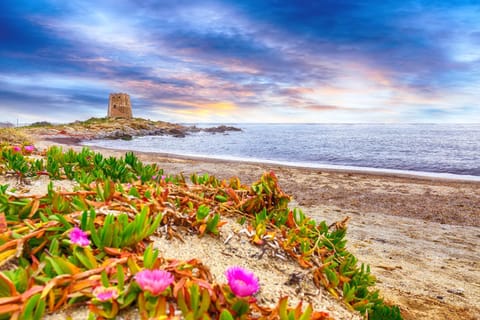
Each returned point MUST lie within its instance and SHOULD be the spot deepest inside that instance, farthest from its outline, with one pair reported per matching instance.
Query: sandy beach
(420, 236)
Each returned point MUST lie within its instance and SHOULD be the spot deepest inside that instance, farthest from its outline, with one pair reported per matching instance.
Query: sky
(323, 61)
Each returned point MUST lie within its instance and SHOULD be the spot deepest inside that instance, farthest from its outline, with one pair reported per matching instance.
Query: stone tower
(119, 106)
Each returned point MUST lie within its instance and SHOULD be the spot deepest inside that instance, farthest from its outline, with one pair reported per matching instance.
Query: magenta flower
(154, 281)
(243, 283)
(17, 149)
(105, 294)
(29, 149)
(79, 237)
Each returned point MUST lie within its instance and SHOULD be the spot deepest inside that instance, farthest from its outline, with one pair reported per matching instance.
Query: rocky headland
(115, 128)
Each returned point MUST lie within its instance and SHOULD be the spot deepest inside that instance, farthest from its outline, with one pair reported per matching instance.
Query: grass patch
(40, 124)
(13, 136)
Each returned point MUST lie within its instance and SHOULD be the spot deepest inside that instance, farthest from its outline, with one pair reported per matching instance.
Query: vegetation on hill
(40, 124)
(13, 136)
(115, 128)
(106, 128)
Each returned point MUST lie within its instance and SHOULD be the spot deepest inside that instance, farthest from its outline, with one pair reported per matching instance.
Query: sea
(434, 150)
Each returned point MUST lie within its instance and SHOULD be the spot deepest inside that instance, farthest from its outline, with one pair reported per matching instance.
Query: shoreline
(382, 172)
(393, 194)
(394, 173)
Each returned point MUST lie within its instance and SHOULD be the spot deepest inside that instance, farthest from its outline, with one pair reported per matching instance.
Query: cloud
(401, 38)
(30, 107)
(323, 108)
(262, 57)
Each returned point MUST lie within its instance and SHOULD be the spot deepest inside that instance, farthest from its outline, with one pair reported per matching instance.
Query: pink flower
(154, 281)
(243, 283)
(105, 294)
(29, 149)
(17, 149)
(79, 237)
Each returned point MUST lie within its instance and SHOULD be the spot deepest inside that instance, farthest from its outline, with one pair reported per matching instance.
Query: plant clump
(13, 137)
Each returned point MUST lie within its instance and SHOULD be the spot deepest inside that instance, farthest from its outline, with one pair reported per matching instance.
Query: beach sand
(420, 236)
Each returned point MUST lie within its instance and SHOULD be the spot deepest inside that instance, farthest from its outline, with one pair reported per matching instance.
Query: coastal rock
(46, 131)
(221, 129)
(194, 129)
(177, 133)
(69, 130)
(121, 134)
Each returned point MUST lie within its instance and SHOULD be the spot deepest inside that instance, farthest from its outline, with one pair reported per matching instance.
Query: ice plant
(17, 149)
(29, 149)
(104, 303)
(154, 281)
(105, 294)
(242, 282)
(79, 237)
(152, 301)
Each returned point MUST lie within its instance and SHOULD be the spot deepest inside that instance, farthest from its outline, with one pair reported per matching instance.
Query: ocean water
(437, 149)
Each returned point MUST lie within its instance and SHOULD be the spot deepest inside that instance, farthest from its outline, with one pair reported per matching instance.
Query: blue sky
(242, 61)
